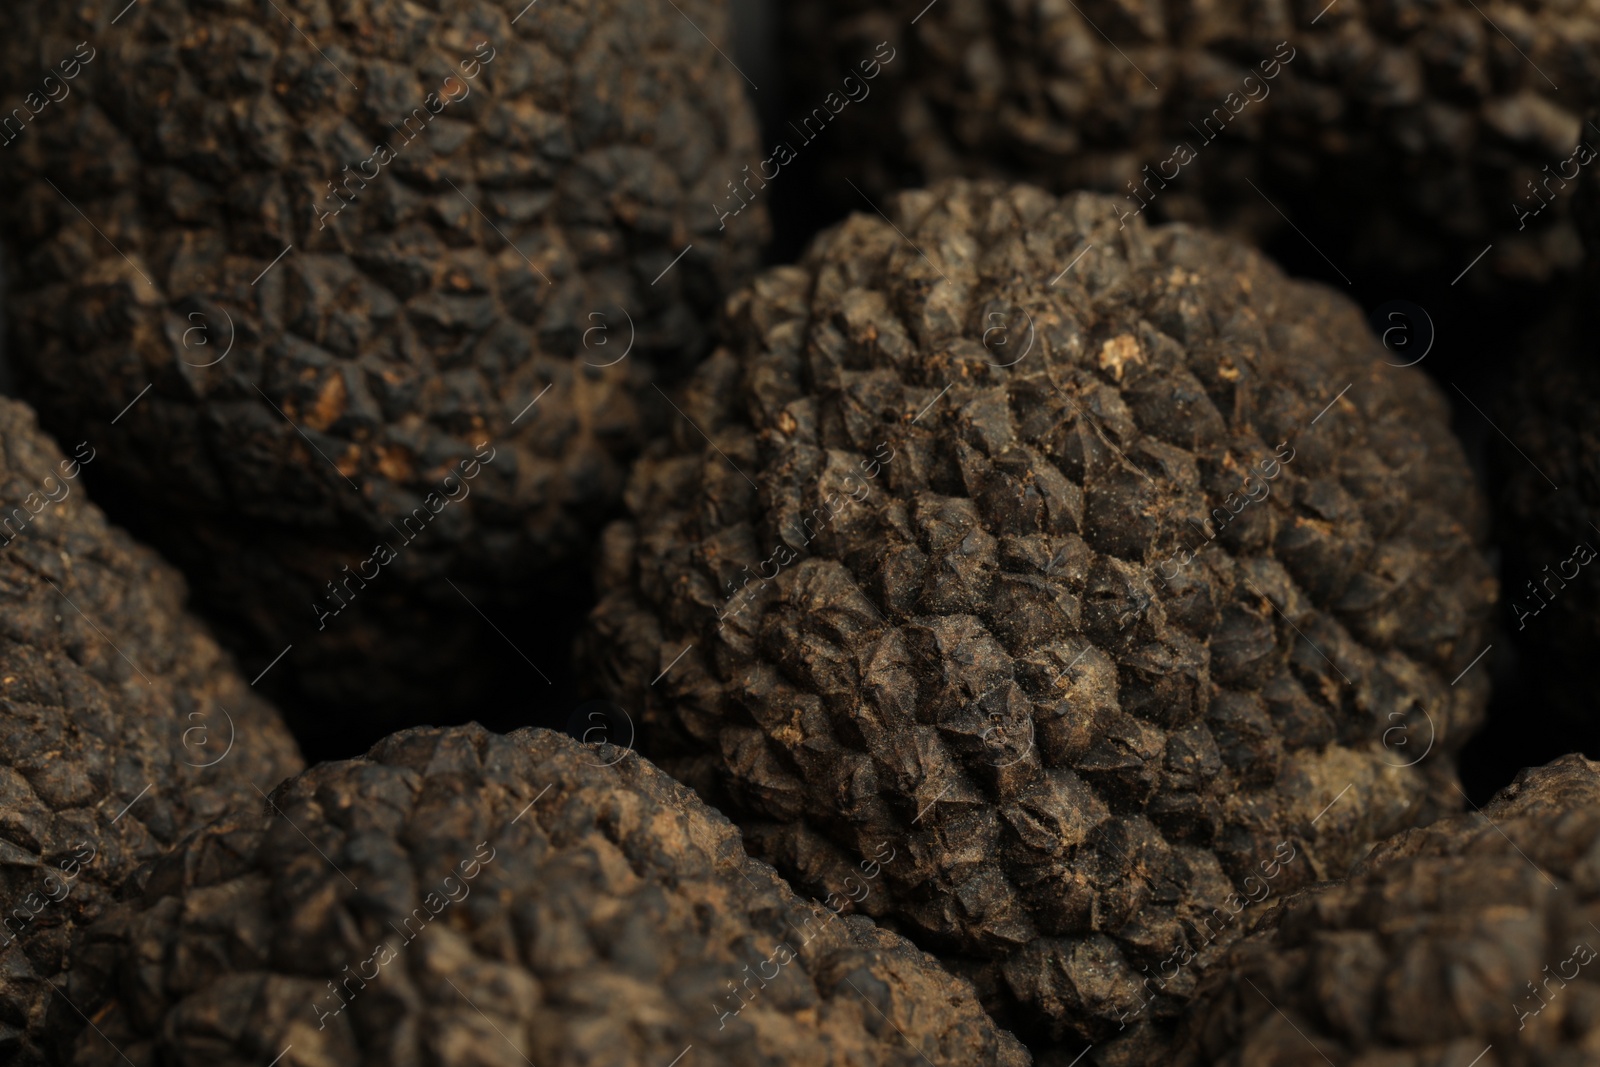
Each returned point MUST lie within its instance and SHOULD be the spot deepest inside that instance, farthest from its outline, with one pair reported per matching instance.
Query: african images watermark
(830, 507)
(1232, 105)
(1581, 157)
(598, 336)
(384, 952)
(601, 723)
(1582, 555)
(783, 952)
(196, 738)
(195, 337)
(33, 504)
(12, 125)
(1403, 328)
(411, 527)
(870, 869)
(55, 891)
(383, 154)
(1181, 956)
(855, 89)
(1560, 976)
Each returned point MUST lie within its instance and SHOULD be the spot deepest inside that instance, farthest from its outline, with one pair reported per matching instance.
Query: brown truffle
(377, 267)
(1473, 941)
(1107, 568)
(122, 725)
(459, 898)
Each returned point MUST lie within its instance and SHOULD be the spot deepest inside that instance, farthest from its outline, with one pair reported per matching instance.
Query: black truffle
(122, 725)
(1104, 566)
(458, 897)
(349, 250)
(1407, 135)
(1474, 933)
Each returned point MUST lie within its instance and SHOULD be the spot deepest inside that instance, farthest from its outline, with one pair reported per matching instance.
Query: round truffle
(123, 726)
(323, 281)
(1473, 938)
(1407, 135)
(1109, 569)
(464, 898)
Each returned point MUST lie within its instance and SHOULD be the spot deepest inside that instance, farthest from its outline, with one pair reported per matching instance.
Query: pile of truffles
(722, 534)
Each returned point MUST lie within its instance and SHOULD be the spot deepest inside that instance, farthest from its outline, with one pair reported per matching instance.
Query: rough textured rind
(578, 907)
(1445, 942)
(1415, 130)
(122, 725)
(519, 244)
(969, 657)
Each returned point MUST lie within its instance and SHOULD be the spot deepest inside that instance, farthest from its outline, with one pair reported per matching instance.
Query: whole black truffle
(1472, 938)
(122, 725)
(296, 266)
(1104, 566)
(1417, 134)
(458, 897)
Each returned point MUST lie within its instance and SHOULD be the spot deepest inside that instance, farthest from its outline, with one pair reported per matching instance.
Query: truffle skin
(905, 587)
(1476, 932)
(1418, 132)
(522, 898)
(123, 726)
(432, 284)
